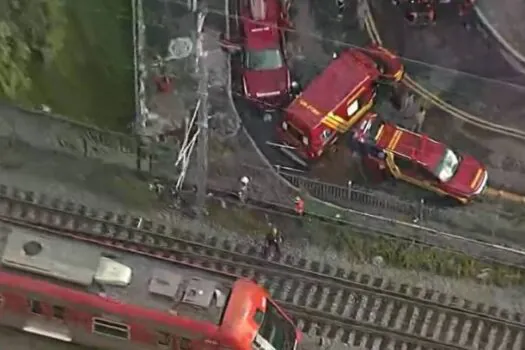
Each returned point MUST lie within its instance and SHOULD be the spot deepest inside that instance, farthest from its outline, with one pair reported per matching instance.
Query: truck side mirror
(229, 45)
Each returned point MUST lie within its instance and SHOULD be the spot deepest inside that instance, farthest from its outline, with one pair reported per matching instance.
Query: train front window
(276, 332)
(448, 166)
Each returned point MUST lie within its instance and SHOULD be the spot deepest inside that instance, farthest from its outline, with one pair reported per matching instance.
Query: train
(95, 296)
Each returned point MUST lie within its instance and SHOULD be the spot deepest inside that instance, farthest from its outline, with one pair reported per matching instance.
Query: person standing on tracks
(299, 209)
(273, 241)
(299, 206)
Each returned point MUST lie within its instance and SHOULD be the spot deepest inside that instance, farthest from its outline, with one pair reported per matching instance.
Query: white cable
(189, 126)
(186, 161)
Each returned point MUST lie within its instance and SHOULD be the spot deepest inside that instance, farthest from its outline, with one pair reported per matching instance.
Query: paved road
(486, 83)
(450, 45)
(506, 16)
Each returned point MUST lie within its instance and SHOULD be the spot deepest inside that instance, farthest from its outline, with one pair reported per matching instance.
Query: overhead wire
(347, 44)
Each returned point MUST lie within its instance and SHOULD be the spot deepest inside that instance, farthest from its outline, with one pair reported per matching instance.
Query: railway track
(328, 301)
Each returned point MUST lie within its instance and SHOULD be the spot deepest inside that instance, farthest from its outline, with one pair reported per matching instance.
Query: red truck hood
(266, 82)
(470, 178)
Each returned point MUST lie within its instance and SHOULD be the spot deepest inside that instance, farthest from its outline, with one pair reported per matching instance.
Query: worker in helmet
(299, 210)
(243, 189)
(273, 241)
(299, 206)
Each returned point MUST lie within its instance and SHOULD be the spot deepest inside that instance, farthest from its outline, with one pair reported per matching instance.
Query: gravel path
(507, 17)
(11, 339)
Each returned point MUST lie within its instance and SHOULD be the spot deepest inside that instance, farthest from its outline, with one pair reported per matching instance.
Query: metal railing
(488, 223)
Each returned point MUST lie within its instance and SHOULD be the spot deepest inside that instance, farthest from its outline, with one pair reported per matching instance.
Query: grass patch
(361, 248)
(237, 219)
(91, 79)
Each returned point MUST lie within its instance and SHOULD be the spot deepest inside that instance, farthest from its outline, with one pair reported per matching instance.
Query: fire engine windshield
(264, 59)
(448, 166)
(276, 332)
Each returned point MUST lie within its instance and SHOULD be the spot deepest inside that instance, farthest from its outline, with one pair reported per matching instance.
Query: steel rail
(342, 305)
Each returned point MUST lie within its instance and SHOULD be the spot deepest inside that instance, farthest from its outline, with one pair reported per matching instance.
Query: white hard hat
(245, 180)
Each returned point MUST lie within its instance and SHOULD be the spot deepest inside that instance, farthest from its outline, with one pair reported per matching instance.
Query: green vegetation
(30, 31)
(75, 56)
(360, 247)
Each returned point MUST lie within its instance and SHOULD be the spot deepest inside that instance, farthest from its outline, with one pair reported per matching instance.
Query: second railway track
(327, 301)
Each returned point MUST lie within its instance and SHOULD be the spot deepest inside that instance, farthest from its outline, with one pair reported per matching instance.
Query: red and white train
(78, 292)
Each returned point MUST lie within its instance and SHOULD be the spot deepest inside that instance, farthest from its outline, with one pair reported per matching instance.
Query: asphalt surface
(506, 18)
(475, 77)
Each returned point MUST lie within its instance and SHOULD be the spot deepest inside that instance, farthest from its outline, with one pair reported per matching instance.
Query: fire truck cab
(335, 101)
(420, 160)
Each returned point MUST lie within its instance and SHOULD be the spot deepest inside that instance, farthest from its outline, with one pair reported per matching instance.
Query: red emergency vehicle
(334, 101)
(102, 298)
(264, 70)
(420, 160)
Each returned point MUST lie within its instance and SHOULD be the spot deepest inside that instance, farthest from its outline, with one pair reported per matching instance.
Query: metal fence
(490, 223)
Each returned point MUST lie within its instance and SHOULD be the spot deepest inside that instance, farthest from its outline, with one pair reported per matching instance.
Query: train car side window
(185, 344)
(110, 328)
(58, 312)
(35, 306)
(164, 340)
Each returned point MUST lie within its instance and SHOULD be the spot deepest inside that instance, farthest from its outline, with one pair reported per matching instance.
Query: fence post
(419, 212)
(139, 156)
(349, 189)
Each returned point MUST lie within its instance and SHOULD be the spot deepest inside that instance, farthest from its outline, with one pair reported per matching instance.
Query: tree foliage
(30, 31)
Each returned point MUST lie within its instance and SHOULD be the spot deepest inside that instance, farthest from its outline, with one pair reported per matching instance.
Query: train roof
(343, 77)
(119, 276)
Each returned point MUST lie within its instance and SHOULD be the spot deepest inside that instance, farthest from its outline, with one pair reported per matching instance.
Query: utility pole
(202, 120)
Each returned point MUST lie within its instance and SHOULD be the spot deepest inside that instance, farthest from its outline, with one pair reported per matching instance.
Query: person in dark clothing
(340, 8)
(273, 241)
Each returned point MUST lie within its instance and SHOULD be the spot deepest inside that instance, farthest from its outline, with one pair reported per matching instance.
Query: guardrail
(371, 227)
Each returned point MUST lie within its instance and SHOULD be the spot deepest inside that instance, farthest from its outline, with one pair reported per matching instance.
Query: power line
(333, 41)
(342, 43)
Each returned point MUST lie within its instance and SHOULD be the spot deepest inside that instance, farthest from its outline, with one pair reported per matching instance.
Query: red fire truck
(334, 101)
(420, 160)
(265, 75)
(103, 298)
